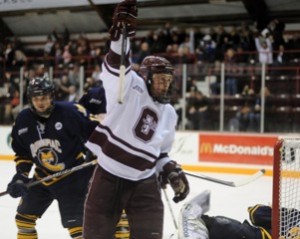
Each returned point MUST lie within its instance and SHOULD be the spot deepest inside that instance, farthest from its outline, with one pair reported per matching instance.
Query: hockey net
(286, 189)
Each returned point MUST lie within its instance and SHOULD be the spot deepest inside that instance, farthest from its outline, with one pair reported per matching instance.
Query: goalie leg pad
(190, 224)
(192, 228)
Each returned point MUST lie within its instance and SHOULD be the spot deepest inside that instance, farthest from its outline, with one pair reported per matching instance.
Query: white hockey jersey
(136, 134)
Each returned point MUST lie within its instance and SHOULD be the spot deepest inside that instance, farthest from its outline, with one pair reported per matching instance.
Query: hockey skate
(190, 224)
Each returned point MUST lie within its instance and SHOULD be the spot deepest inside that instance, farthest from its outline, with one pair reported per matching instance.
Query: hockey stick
(70, 170)
(170, 208)
(122, 65)
(242, 182)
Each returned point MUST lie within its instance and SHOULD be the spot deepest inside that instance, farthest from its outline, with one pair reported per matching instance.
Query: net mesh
(289, 189)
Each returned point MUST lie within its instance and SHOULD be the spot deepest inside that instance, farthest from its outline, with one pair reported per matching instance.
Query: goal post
(286, 189)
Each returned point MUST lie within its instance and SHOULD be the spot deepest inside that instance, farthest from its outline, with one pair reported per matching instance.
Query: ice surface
(228, 201)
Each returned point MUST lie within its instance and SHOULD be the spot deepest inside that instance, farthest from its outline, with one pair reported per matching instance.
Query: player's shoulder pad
(70, 107)
(96, 92)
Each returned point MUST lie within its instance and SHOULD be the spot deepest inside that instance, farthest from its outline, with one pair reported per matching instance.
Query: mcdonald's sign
(236, 148)
(206, 148)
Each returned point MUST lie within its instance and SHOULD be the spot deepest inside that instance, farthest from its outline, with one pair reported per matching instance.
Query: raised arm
(124, 16)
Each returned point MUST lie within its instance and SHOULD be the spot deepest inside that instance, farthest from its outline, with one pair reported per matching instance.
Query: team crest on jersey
(146, 124)
(45, 150)
(48, 158)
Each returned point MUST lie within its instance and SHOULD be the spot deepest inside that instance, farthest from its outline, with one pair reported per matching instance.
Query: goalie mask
(158, 75)
(40, 94)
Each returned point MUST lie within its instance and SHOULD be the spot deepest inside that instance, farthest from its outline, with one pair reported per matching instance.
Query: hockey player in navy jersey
(132, 142)
(50, 136)
(95, 101)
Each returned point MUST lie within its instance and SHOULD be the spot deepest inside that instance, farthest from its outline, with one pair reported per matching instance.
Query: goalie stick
(70, 170)
(242, 182)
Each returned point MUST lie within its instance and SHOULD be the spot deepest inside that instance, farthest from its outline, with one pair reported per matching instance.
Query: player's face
(161, 84)
(41, 103)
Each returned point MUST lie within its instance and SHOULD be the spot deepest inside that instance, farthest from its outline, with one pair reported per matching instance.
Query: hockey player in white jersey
(132, 142)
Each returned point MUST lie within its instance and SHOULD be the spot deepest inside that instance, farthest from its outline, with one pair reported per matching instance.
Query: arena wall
(240, 153)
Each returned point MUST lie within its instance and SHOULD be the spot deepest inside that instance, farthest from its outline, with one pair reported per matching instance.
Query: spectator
(264, 49)
(185, 56)
(143, 52)
(72, 94)
(66, 55)
(96, 73)
(220, 36)
(48, 46)
(257, 111)
(74, 74)
(198, 111)
(19, 59)
(231, 72)
(243, 119)
(97, 56)
(62, 85)
(206, 50)
(191, 85)
(9, 56)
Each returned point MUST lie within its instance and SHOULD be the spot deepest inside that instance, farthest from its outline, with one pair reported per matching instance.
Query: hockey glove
(124, 14)
(17, 187)
(173, 174)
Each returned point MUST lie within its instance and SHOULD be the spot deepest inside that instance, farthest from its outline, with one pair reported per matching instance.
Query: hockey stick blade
(242, 182)
(70, 170)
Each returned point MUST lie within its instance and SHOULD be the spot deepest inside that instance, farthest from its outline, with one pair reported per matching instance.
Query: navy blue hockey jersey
(94, 100)
(52, 144)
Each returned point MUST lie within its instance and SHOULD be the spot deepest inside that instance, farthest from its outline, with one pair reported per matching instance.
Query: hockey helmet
(156, 65)
(37, 87)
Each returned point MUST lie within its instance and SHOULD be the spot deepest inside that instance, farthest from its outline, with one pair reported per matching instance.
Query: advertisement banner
(236, 148)
(185, 146)
(5, 143)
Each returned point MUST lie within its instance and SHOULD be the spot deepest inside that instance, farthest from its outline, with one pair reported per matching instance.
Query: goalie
(195, 224)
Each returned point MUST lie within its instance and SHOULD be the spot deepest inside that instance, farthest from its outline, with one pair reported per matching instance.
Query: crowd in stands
(237, 46)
